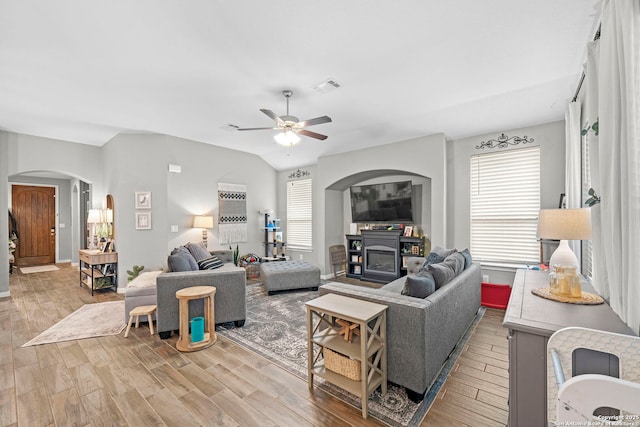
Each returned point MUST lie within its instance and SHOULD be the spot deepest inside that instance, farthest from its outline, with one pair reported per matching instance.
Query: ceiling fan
(291, 126)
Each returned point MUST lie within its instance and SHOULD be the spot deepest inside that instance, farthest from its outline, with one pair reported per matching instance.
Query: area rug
(89, 321)
(38, 269)
(276, 329)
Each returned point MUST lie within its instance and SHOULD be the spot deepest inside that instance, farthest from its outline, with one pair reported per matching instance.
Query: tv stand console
(379, 255)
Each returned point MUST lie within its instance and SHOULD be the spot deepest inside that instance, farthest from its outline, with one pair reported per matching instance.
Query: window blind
(299, 214)
(505, 202)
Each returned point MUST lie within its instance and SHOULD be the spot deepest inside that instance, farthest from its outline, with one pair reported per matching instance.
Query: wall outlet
(300, 257)
(485, 278)
(174, 228)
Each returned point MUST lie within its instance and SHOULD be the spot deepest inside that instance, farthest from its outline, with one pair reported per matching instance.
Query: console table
(95, 264)
(531, 320)
(369, 349)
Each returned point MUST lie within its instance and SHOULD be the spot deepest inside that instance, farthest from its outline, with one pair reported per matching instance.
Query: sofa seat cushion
(144, 280)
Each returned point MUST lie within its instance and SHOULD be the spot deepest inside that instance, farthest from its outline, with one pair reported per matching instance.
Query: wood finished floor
(142, 380)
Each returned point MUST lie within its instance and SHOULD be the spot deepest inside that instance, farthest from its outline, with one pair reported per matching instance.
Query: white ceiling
(85, 71)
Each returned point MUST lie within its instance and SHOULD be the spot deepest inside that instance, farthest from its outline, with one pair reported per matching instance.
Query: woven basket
(341, 364)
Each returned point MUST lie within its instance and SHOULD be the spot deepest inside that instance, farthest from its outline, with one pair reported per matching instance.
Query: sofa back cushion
(442, 273)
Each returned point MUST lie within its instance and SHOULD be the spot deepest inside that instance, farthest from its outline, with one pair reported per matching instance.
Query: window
(505, 201)
(299, 214)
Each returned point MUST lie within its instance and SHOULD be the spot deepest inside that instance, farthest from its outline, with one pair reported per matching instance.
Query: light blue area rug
(276, 329)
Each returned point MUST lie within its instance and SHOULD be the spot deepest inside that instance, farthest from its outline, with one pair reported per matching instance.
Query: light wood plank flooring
(142, 380)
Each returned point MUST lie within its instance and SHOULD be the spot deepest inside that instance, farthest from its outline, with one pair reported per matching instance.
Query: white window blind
(299, 214)
(505, 202)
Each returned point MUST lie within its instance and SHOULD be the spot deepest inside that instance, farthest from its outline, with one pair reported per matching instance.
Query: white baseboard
(5, 294)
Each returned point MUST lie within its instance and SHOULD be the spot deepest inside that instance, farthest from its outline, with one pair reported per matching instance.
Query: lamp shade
(564, 224)
(202, 221)
(94, 217)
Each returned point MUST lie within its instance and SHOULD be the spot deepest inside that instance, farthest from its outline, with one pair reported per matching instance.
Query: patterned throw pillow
(198, 251)
(210, 263)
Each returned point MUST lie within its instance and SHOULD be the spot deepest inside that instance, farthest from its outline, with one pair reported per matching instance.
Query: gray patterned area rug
(276, 329)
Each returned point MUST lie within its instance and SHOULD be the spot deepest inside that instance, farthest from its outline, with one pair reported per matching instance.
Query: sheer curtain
(573, 184)
(616, 219)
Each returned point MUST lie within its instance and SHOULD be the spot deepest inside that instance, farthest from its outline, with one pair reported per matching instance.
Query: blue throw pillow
(419, 286)
(432, 258)
(442, 251)
(180, 262)
(210, 263)
(185, 252)
(467, 258)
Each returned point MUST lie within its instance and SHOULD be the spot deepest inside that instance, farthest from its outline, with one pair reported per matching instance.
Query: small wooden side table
(185, 295)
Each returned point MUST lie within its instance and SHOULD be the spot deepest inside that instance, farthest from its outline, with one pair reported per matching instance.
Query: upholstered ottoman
(285, 275)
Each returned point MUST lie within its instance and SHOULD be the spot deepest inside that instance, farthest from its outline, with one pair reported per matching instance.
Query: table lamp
(94, 217)
(563, 225)
(204, 222)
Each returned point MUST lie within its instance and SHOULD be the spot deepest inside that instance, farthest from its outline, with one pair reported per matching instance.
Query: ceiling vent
(327, 86)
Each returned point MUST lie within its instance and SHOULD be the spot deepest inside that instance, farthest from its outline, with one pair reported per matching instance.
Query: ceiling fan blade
(257, 128)
(312, 134)
(316, 121)
(273, 115)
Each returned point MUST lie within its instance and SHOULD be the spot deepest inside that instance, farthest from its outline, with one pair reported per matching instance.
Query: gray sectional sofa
(421, 333)
(230, 299)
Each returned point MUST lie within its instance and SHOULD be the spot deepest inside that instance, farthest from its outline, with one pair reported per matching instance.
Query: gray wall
(551, 139)
(423, 156)
(135, 162)
(4, 220)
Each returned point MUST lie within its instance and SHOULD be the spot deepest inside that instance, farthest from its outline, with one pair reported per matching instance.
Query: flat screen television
(389, 202)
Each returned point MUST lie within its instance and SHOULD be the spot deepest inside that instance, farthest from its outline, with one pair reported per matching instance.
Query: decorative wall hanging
(232, 219)
(299, 174)
(143, 220)
(503, 141)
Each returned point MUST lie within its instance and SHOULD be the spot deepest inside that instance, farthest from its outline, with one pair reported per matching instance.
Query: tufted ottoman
(284, 275)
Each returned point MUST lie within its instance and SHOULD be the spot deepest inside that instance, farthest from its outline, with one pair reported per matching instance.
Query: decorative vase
(564, 281)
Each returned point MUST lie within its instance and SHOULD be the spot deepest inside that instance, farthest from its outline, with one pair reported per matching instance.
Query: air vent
(326, 86)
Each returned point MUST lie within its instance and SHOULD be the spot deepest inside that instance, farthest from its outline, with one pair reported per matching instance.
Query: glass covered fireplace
(380, 263)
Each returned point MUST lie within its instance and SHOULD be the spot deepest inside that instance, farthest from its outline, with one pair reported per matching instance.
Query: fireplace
(381, 256)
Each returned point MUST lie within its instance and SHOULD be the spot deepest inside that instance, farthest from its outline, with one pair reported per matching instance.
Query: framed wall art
(143, 220)
(143, 200)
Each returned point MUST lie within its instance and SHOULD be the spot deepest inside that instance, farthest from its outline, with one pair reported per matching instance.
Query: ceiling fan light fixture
(287, 138)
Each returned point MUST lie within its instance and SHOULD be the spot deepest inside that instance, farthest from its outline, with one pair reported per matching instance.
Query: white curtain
(616, 159)
(572, 174)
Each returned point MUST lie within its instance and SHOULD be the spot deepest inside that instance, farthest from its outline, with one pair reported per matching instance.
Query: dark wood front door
(35, 211)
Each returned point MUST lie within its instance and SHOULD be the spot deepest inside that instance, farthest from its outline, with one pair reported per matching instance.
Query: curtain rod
(575, 97)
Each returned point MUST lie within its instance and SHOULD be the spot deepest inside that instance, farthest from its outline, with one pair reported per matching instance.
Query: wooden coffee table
(184, 296)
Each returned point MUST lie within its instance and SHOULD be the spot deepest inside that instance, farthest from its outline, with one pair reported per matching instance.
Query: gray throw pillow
(442, 251)
(456, 261)
(467, 258)
(185, 252)
(198, 251)
(442, 273)
(419, 286)
(210, 263)
(180, 262)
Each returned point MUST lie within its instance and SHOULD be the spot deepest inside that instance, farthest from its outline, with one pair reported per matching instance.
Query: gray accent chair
(421, 333)
(230, 299)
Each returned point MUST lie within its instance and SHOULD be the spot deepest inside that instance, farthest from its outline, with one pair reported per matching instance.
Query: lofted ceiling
(86, 70)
